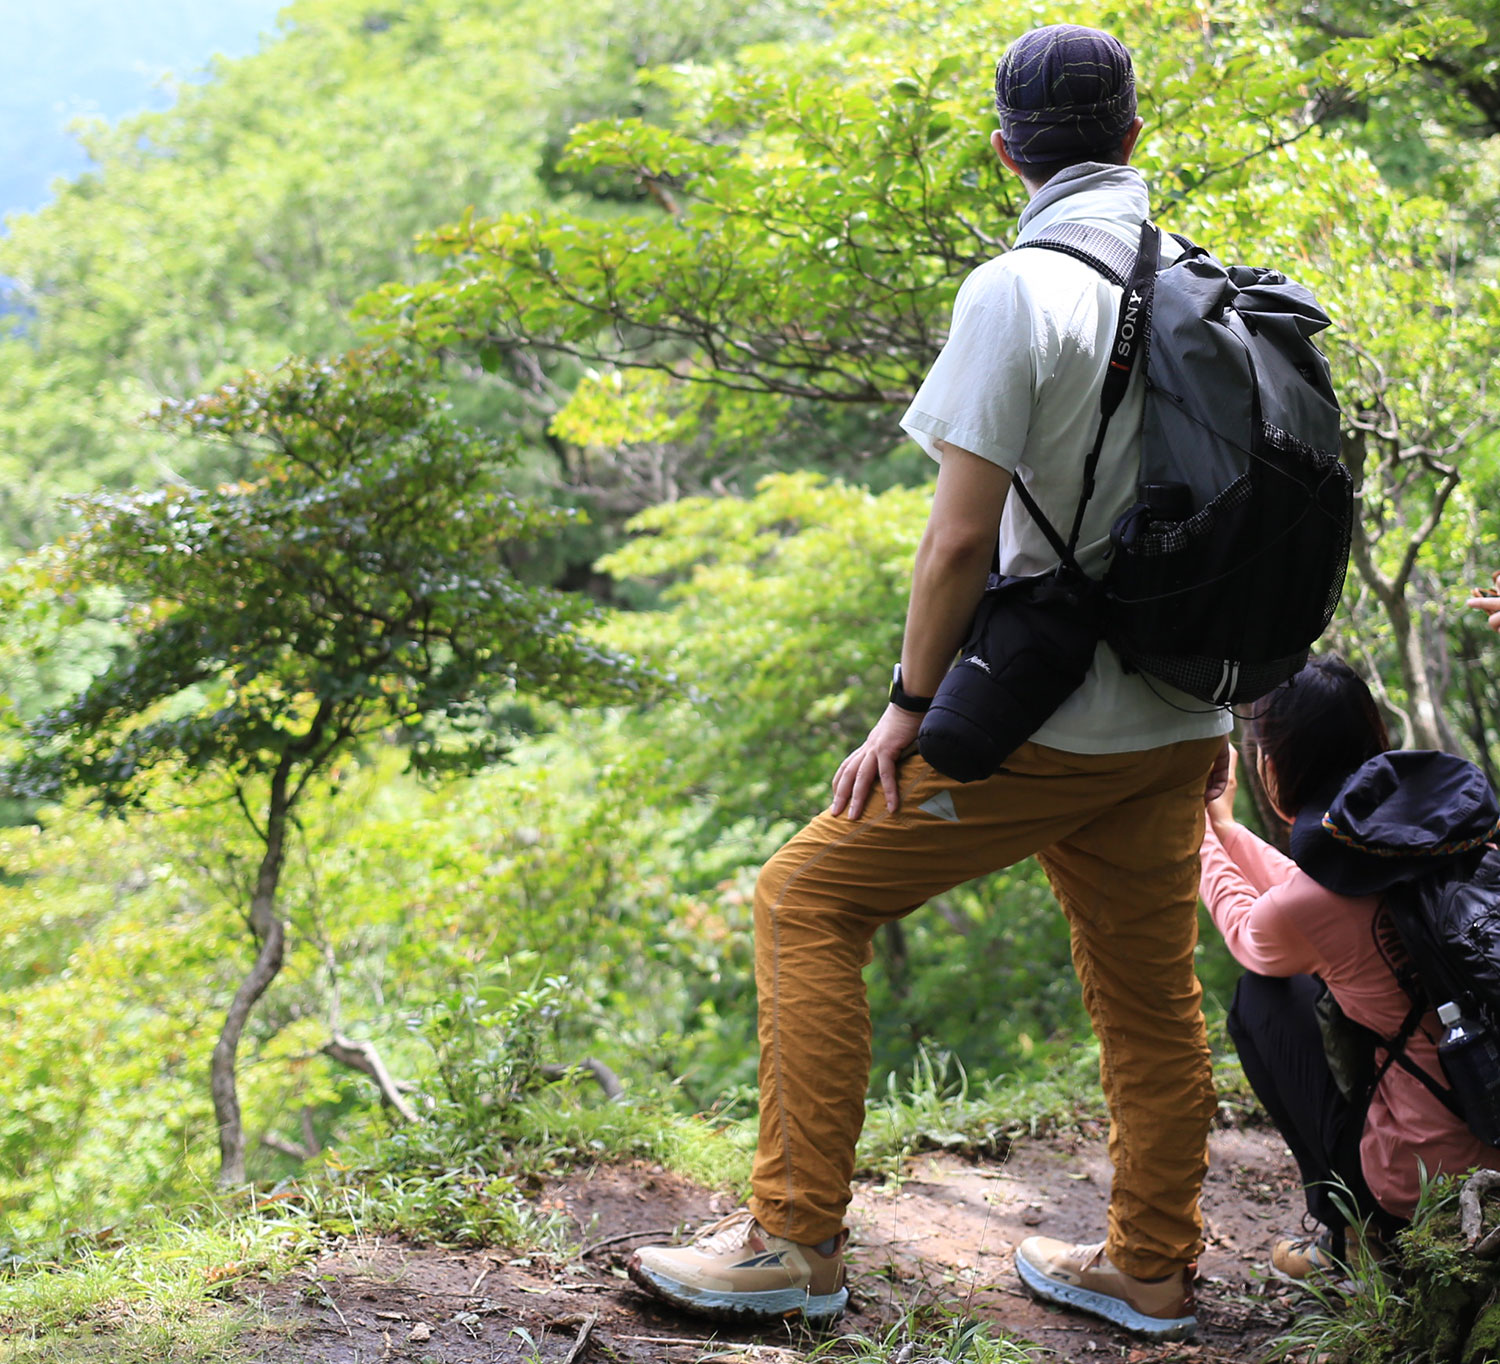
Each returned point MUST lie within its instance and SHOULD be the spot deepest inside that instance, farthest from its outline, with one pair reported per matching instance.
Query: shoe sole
(773, 1305)
(1116, 1310)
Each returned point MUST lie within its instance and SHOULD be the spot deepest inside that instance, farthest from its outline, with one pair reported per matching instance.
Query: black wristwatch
(918, 705)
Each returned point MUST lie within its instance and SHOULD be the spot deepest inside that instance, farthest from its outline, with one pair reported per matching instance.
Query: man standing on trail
(1108, 794)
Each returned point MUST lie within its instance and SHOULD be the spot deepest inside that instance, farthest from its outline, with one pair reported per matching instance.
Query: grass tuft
(930, 1336)
(1434, 1303)
(156, 1296)
(940, 1109)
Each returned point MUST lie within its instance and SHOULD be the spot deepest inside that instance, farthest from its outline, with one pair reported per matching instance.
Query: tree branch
(363, 1057)
(609, 1082)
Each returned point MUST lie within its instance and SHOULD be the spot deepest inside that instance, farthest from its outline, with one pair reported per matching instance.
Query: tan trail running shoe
(1311, 1256)
(1299, 1258)
(735, 1270)
(1082, 1277)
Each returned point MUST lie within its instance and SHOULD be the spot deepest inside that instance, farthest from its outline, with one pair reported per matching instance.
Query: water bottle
(1471, 1058)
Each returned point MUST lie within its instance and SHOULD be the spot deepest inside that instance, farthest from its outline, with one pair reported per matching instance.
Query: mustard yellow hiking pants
(1118, 837)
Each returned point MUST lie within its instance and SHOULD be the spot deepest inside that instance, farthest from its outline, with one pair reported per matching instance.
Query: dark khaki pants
(1118, 837)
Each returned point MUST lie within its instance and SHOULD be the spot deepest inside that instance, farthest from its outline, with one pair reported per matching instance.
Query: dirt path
(942, 1234)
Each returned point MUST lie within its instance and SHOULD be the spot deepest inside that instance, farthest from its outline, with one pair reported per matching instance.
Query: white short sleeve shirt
(1018, 383)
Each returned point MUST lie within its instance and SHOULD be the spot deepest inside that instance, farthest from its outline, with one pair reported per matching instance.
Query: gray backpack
(1231, 563)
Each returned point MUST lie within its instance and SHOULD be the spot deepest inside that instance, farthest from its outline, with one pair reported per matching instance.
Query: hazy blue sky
(63, 58)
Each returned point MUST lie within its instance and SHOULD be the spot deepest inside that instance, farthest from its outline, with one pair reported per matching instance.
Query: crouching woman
(1315, 921)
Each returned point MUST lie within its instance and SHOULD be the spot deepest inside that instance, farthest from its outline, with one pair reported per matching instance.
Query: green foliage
(938, 1109)
(934, 1334)
(821, 203)
(155, 1296)
(239, 225)
(489, 1051)
(785, 613)
(1436, 1304)
(814, 207)
(104, 1043)
(359, 583)
(464, 1207)
(356, 581)
(1443, 97)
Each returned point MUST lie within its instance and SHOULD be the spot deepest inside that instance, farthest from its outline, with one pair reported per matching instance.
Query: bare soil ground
(944, 1233)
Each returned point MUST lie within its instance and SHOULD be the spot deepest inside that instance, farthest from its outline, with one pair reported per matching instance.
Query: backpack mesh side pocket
(1217, 605)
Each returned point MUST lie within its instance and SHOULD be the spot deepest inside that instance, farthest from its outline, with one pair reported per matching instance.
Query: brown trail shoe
(735, 1270)
(1311, 1256)
(1298, 1258)
(1082, 1277)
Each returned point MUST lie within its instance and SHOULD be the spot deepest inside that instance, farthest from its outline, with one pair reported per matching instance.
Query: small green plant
(1434, 1303)
(931, 1337)
(489, 1040)
(501, 1113)
(939, 1109)
(155, 1295)
(452, 1207)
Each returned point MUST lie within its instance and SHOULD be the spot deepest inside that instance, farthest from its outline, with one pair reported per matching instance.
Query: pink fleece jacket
(1278, 921)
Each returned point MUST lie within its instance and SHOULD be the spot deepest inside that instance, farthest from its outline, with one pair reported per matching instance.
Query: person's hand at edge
(1218, 774)
(1488, 601)
(875, 760)
(1222, 785)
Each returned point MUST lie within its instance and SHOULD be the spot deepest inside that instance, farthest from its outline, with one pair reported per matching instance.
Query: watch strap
(902, 700)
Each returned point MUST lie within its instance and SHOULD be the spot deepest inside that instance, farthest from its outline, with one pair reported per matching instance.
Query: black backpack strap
(1396, 1053)
(1132, 330)
(1060, 548)
(1395, 1047)
(1443, 1095)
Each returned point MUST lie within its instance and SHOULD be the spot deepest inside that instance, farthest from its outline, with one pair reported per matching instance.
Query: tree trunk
(270, 933)
(1423, 721)
(1427, 724)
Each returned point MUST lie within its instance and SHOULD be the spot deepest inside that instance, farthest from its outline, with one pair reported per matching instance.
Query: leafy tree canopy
(357, 579)
(241, 224)
(356, 582)
(816, 206)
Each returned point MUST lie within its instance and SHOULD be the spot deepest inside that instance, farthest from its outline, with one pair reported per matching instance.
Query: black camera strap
(1132, 334)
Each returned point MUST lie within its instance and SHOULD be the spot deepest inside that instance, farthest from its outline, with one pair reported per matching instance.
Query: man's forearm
(946, 585)
(953, 563)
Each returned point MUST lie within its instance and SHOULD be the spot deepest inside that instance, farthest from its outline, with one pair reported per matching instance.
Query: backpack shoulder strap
(1094, 246)
(1409, 979)
(1132, 328)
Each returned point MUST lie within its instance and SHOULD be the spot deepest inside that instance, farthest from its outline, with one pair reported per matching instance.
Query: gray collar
(1079, 179)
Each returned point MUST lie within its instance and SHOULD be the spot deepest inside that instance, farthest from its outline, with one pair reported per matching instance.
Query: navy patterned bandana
(1064, 91)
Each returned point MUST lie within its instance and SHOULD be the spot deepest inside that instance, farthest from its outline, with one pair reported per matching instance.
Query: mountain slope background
(85, 59)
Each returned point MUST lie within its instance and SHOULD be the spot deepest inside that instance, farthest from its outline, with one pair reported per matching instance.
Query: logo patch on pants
(941, 805)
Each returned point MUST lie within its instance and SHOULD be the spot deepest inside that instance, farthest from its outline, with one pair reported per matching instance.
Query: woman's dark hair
(1316, 730)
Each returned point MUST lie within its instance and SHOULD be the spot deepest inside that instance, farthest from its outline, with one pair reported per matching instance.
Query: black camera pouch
(1030, 648)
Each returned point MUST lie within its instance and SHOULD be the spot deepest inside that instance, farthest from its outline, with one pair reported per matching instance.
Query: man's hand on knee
(875, 760)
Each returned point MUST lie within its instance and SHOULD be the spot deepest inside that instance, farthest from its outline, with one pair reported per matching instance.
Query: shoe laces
(728, 1233)
(1095, 1256)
